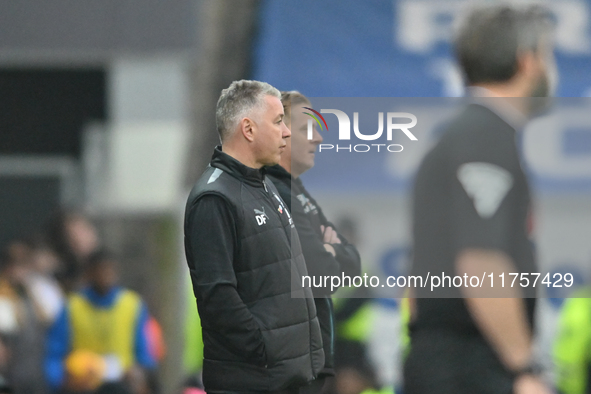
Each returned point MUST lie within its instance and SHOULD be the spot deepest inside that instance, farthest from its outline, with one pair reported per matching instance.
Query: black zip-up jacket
(308, 217)
(241, 247)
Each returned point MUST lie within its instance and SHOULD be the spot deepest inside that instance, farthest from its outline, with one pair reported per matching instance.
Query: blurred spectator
(572, 349)
(4, 388)
(73, 238)
(22, 327)
(101, 336)
(353, 320)
(41, 282)
(193, 353)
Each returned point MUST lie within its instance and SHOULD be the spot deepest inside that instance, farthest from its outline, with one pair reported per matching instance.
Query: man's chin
(274, 161)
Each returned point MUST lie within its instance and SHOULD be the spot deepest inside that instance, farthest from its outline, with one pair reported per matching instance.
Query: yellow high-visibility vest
(106, 330)
(572, 348)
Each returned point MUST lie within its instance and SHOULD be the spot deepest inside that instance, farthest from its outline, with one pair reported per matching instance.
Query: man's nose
(285, 131)
(316, 137)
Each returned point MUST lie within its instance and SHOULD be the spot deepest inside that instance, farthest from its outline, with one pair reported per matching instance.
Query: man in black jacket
(242, 248)
(472, 216)
(325, 251)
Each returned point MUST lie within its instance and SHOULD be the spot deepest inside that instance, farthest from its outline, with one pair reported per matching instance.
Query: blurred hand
(89, 381)
(330, 236)
(530, 384)
(330, 249)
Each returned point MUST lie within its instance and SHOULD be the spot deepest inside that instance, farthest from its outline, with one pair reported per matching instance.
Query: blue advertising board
(402, 48)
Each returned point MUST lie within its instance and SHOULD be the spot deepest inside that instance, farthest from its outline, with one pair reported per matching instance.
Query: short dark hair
(489, 40)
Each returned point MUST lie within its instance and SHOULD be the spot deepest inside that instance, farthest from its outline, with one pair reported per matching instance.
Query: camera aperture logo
(392, 124)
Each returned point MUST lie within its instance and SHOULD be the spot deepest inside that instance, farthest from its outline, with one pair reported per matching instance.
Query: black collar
(281, 174)
(227, 163)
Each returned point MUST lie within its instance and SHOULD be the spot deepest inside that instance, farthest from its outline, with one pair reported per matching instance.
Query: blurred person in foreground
(471, 216)
(242, 248)
(73, 238)
(41, 281)
(326, 251)
(22, 323)
(355, 317)
(100, 337)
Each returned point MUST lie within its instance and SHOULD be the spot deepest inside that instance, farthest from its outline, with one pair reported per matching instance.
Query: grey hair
(490, 39)
(239, 100)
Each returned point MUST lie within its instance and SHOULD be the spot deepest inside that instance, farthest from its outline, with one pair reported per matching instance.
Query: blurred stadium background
(108, 106)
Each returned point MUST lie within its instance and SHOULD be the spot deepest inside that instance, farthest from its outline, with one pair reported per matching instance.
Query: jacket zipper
(314, 374)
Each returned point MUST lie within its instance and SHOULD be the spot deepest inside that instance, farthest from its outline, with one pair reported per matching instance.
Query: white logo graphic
(215, 175)
(261, 216)
(282, 209)
(306, 204)
(487, 184)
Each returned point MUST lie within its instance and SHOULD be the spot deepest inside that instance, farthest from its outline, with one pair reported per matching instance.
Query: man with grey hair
(472, 216)
(242, 248)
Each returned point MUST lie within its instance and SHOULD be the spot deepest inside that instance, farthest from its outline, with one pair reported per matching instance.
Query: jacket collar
(228, 164)
(499, 106)
(281, 173)
(102, 301)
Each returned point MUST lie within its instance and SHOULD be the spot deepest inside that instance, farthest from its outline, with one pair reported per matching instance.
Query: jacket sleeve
(319, 261)
(210, 240)
(57, 349)
(346, 253)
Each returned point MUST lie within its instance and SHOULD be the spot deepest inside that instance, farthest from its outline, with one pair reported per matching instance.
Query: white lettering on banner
(421, 24)
(543, 146)
(572, 26)
(447, 71)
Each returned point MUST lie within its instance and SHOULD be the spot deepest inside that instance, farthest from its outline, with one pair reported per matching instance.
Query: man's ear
(527, 63)
(248, 129)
